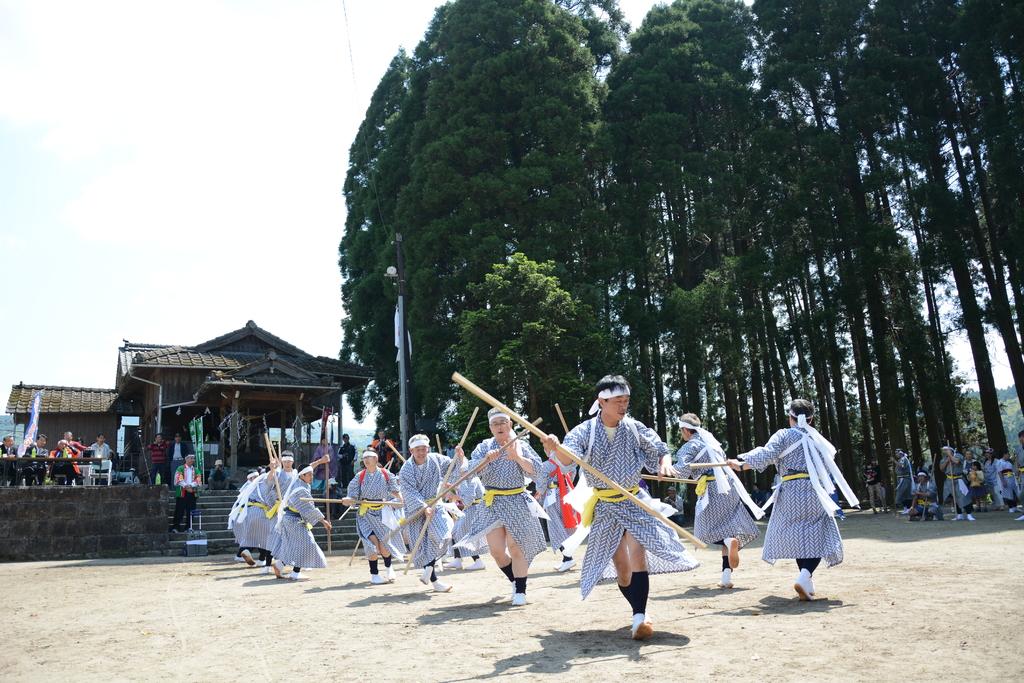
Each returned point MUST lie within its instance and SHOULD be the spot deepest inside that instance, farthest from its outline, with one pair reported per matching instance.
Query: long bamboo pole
(565, 425)
(674, 480)
(562, 450)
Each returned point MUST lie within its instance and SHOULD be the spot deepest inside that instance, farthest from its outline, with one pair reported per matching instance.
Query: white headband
(608, 393)
(308, 469)
(494, 416)
(370, 454)
(419, 440)
(290, 458)
(252, 475)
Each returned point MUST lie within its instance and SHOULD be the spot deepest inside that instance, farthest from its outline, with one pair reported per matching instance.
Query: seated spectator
(65, 466)
(7, 450)
(34, 473)
(100, 448)
(759, 495)
(673, 498)
(925, 504)
(219, 480)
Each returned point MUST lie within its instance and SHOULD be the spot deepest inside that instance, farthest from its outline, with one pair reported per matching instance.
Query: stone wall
(82, 522)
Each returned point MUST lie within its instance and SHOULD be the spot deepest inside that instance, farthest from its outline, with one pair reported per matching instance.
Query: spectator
(66, 453)
(758, 495)
(976, 483)
(100, 448)
(993, 487)
(187, 481)
(158, 460)
(219, 477)
(871, 478)
(673, 498)
(384, 453)
(9, 452)
(347, 454)
(330, 469)
(177, 451)
(35, 472)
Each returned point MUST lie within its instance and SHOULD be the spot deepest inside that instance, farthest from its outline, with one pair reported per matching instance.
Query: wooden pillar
(298, 432)
(234, 432)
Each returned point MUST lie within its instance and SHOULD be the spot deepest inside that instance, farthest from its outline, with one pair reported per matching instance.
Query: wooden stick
(273, 457)
(472, 419)
(651, 477)
(590, 469)
(468, 475)
(392, 503)
(437, 437)
(694, 465)
(354, 550)
(400, 456)
(561, 417)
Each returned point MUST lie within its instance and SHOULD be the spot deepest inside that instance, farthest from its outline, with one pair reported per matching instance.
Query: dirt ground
(912, 602)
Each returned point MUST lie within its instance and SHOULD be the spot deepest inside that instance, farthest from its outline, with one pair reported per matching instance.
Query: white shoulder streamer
(819, 457)
(725, 483)
(239, 509)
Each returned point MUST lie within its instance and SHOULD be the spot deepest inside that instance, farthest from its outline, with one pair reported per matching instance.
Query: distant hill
(1009, 404)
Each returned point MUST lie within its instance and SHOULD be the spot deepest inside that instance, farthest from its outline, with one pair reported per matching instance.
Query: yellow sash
(489, 494)
(270, 512)
(702, 483)
(308, 525)
(801, 475)
(363, 507)
(606, 495)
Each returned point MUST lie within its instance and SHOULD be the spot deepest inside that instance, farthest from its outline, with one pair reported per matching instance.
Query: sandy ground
(912, 602)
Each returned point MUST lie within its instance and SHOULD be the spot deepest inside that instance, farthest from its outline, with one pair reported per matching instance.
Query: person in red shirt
(158, 460)
(384, 453)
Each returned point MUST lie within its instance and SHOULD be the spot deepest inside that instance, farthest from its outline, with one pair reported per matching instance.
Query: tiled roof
(184, 357)
(62, 399)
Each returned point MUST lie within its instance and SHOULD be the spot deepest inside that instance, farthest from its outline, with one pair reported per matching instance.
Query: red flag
(570, 518)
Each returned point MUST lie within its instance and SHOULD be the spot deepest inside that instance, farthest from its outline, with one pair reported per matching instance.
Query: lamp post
(403, 358)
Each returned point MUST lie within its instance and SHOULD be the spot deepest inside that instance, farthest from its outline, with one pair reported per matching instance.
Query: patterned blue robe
(295, 545)
(471, 492)
(419, 484)
(799, 526)
(904, 480)
(511, 512)
(950, 485)
(375, 487)
(622, 460)
(257, 530)
(718, 515)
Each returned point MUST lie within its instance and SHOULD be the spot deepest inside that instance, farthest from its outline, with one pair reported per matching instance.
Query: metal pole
(403, 369)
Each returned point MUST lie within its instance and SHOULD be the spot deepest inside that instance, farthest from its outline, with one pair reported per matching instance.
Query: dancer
(625, 542)
(373, 487)
(553, 485)
(1008, 481)
(955, 487)
(295, 545)
(469, 497)
(904, 480)
(509, 519)
(721, 515)
(802, 526)
(420, 478)
(252, 520)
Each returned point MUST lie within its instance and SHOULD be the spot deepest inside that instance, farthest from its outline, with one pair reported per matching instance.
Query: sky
(172, 169)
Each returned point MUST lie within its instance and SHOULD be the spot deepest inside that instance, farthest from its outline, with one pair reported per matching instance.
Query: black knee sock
(433, 573)
(263, 554)
(373, 567)
(270, 558)
(387, 561)
(457, 553)
(239, 553)
(476, 557)
(507, 571)
(725, 562)
(808, 563)
(639, 589)
(296, 569)
(520, 584)
(566, 558)
(625, 590)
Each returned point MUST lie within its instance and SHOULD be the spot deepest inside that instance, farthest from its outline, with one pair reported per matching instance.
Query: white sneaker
(278, 568)
(905, 512)
(803, 586)
(425, 576)
(1020, 519)
(958, 518)
(477, 565)
(970, 518)
(641, 629)
(377, 579)
(518, 599)
(453, 564)
(1014, 510)
(441, 587)
(239, 558)
(566, 566)
(389, 574)
(294, 576)
(265, 570)
(726, 581)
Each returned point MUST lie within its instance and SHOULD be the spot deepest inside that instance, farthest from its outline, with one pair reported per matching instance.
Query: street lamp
(403, 359)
